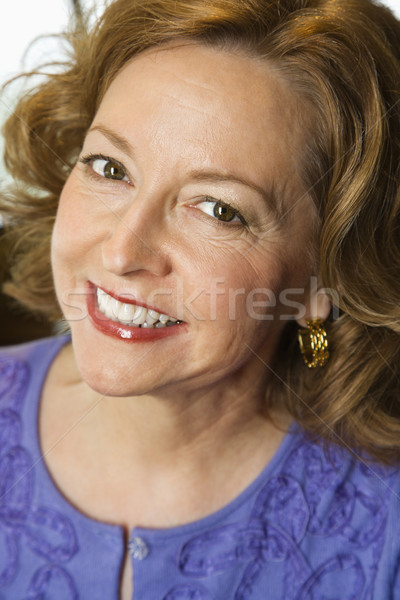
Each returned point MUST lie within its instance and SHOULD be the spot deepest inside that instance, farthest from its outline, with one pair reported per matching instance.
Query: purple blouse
(312, 526)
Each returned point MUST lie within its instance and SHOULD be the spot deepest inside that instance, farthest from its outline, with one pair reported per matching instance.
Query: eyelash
(89, 159)
(220, 203)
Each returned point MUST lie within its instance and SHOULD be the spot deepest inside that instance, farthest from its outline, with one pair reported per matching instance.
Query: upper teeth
(131, 314)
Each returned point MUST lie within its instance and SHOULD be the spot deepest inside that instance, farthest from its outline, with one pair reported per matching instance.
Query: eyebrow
(117, 140)
(123, 144)
(218, 177)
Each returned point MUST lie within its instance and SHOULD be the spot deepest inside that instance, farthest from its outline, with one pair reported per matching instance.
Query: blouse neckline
(39, 378)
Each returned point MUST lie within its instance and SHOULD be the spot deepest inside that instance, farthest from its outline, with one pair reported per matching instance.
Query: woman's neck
(179, 448)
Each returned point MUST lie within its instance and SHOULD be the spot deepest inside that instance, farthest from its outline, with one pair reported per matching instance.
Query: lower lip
(124, 332)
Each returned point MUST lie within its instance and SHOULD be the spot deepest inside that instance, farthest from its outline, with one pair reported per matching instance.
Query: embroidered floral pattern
(316, 529)
(46, 532)
(185, 592)
(52, 582)
(286, 516)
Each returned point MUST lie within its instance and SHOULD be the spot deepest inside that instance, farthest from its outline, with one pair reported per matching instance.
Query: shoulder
(351, 482)
(21, 365)
(322, 521)
(337, 512)
(32, 351)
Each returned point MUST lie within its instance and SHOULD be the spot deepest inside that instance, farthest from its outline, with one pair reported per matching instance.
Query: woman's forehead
(219, 108)
(209, 76)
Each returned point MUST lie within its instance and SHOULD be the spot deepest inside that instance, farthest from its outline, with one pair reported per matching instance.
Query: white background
(25, 20)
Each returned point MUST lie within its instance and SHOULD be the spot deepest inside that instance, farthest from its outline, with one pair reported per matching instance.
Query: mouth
(132, 315)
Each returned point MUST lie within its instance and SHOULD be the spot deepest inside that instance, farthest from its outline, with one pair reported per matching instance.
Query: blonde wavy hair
(343, 56)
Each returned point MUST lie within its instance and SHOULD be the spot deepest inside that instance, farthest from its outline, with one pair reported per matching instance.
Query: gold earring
(314, 343)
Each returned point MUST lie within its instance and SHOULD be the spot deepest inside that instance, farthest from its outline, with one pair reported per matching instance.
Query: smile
(130, 314)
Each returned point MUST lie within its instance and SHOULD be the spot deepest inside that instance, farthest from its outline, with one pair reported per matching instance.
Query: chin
(108, 381)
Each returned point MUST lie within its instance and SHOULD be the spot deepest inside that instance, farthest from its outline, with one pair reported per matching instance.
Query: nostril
(127, 251)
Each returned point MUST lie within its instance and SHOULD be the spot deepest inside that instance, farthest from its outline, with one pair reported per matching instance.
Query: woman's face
(186, 199)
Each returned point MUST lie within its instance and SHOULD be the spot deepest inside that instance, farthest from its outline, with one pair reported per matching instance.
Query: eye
(106, 167)
(220, 210)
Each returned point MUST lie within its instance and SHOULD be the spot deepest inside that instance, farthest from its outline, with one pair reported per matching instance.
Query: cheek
(69, 245)
(68, 222)
(72, 233)
(233, 283)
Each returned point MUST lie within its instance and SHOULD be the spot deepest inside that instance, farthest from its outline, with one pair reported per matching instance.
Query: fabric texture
(314, 525)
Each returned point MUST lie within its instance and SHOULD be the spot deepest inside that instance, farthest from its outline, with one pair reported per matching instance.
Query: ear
(318, 305)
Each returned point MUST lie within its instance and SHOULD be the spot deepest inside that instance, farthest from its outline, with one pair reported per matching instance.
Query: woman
(219, 173)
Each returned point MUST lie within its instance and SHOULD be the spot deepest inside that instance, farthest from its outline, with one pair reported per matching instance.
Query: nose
(134, 243)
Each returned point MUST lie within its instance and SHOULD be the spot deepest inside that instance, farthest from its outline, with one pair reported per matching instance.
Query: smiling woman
(201, 180)
(157, 210)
